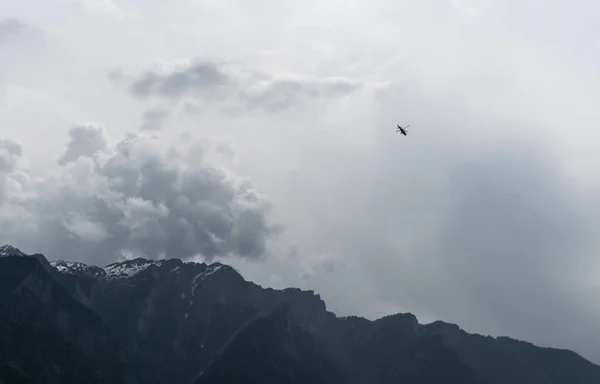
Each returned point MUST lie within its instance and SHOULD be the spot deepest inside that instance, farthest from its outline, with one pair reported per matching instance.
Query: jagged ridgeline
(168, 321)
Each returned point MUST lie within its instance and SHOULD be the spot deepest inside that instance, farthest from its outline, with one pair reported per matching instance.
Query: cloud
(10, 28)
(153, 119)
(116, 76)
(84, 140)
(101, 7)
(200, 83)
(283, 92)
(10, 175)
(22, 46)
(470, 11)
(132, 198)
(13, 30)
(197, 78)
(84, 229)
(10, 153)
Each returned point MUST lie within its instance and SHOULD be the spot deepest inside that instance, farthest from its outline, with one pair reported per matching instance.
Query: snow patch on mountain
(76, 268)
(210, 270)
(129, 268)
(124, 269)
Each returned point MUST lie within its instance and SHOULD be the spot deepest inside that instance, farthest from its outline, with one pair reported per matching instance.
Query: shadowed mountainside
(168, 321)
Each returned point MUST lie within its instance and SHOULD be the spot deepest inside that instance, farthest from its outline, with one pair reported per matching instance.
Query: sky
(262, 134)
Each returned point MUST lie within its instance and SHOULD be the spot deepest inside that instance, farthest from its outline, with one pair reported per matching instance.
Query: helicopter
(402, 130)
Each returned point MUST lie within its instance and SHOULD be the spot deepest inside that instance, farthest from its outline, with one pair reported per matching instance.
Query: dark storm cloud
(136, 198)
(207, 82)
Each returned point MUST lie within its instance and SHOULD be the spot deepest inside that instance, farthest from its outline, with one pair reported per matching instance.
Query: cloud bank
(134, 198)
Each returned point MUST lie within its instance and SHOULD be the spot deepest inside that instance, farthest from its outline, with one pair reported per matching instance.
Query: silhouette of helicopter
(402, 130)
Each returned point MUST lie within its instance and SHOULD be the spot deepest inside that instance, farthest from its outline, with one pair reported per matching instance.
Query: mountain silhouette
(169, 321)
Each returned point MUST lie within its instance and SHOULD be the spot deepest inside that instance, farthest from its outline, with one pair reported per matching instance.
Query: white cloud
(85, 229)
(85, 139)
(134, 197)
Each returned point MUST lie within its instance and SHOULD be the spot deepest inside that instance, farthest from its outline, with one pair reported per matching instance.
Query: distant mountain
(169, 321)
(395, 349)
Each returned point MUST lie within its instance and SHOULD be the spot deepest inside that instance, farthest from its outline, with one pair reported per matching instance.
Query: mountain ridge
(182, 318)
(75, 268)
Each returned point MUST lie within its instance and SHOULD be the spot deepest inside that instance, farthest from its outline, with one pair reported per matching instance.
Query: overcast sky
(262, 134)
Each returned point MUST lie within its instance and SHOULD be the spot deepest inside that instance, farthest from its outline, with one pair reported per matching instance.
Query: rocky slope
(178, 322)
(272, 349)
(48, 334)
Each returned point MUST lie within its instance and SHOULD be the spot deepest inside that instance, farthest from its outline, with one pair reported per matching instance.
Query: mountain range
(170, 321)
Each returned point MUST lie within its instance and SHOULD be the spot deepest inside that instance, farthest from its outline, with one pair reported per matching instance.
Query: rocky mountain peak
(9, 250)
(128, 268)
(76, 268)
